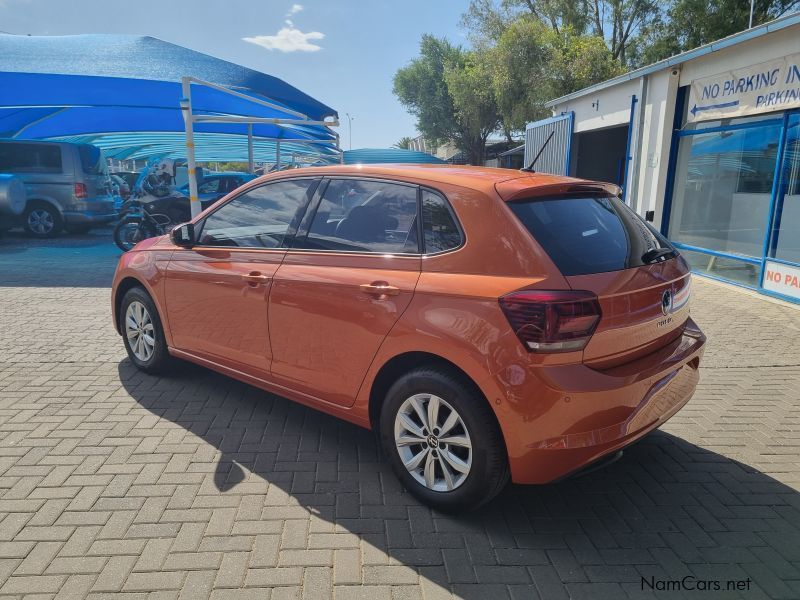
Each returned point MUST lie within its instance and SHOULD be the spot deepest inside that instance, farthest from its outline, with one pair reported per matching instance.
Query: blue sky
(343, 52)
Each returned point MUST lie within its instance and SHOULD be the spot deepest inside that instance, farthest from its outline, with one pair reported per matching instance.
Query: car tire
(464, 466)
(142, 332)
(42, 220)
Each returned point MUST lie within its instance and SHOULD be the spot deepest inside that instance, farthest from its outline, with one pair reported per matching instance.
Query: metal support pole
(186, 109)
(250, 164)
(278, 155)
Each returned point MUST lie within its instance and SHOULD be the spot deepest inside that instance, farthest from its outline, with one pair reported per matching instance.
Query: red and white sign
(783, 279)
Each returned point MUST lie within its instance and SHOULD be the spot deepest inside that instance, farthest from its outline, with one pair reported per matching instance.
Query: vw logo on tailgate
(666, 302)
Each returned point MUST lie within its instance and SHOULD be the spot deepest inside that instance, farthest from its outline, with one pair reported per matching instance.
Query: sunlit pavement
(196, 486)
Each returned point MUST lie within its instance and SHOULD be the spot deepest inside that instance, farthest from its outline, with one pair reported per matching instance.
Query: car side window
(439, 227)
(259, 218)
(209, 186)
(30, 158)
(359, 215)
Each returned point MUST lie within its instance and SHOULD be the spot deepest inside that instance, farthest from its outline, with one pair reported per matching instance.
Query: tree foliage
(447, 89)
(534, 63)
(404, 143)
(688, 24)
(526, 52)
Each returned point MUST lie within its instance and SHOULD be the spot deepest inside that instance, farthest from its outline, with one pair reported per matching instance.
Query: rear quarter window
(589, 234)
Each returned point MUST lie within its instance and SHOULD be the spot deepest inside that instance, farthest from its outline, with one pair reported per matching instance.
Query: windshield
(594, 234)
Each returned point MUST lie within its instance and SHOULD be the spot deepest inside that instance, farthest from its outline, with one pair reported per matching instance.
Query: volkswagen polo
(488, 324)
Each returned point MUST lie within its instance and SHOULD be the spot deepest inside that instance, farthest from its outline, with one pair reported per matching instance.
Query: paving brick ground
(113, 483)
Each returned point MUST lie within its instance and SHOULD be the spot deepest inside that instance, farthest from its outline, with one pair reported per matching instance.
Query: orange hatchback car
(488, 323)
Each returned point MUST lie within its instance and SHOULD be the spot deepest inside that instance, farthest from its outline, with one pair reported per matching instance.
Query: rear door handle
(255, 277)
(379, 288)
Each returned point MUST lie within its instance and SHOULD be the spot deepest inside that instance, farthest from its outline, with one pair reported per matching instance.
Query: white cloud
(288, 39)
(296, 8)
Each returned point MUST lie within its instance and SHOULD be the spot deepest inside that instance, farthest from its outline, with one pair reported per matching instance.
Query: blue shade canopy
(388, 155)
(51, 87)
(209, 147)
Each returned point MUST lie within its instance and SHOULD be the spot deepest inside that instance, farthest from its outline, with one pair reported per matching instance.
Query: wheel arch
(403, 363)
(33, 200)
(122, 288)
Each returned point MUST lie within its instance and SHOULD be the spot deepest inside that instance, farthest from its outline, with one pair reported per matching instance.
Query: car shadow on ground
(667, 511)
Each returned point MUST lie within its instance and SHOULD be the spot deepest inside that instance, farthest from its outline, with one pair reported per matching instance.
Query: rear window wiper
(656, 254)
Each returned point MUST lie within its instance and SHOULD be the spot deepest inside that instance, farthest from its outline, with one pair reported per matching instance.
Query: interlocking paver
(193, 485)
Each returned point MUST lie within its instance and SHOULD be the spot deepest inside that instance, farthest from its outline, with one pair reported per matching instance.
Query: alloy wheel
(139, 330)
(40, 221)
(433, 442)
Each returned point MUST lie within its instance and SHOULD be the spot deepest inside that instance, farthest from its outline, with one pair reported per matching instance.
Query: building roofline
(737, 38)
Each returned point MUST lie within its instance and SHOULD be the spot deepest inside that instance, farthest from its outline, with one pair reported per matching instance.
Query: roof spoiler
(523, 187)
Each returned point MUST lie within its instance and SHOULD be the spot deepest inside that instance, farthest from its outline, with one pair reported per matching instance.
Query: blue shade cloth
(56, 87)
(209, 147)
(143, 57)
(388, 155)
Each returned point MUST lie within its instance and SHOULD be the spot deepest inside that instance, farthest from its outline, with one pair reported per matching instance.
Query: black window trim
(290, 233)
(461, 232)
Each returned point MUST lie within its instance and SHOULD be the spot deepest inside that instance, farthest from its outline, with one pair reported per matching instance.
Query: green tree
(692, 23)
(469, 81)
(534, 63)
(436, 88)
(618, 22)
(404, 143)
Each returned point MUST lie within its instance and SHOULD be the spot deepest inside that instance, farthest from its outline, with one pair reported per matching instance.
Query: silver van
(67, 186)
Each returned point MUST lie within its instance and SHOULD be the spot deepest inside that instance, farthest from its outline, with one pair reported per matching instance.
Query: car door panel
(217, 292)
(350, 274)
(326, 328)
(217, 302)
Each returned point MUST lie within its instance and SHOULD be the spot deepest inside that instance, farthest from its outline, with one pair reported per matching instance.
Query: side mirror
(183, 235)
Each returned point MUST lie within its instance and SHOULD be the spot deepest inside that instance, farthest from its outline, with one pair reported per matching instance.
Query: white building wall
(606, 108)
(652, 158)
(750, 52)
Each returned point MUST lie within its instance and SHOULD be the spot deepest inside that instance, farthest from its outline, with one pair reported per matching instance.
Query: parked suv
(67, 185)
(488, 323)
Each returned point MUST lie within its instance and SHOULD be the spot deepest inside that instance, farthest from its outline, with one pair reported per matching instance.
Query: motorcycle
(154, 208)
(141, 220)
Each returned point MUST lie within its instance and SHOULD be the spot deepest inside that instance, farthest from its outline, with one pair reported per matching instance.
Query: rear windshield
(591, 234)
(92, 160)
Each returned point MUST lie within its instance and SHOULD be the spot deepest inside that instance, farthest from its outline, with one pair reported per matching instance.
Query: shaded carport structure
(141, 97)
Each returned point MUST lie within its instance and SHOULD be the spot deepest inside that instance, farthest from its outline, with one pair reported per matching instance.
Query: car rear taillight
(80, 190)
(552, 321)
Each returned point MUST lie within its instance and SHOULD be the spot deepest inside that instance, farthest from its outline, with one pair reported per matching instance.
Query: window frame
(462, 234)
(311, 194)
(311, 212)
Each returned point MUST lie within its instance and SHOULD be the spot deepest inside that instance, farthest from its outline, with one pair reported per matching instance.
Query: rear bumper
(604, 411)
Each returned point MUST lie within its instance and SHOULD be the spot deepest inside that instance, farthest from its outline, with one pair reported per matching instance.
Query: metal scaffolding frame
(190, 119)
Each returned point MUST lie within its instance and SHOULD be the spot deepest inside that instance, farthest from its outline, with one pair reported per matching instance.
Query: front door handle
(255, 277)
(379, 288)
